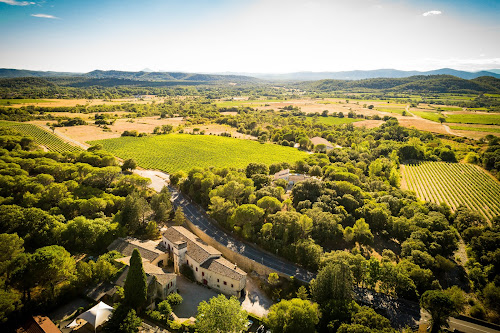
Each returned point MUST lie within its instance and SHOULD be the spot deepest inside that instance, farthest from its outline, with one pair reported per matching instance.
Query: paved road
(465, 326)
(460, 325)
(199, 218)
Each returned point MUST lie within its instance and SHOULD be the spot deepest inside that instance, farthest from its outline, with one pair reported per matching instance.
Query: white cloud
(432, 13)
(17, 3)
(45, 16)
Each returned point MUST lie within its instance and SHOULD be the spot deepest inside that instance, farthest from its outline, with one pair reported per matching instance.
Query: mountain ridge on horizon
(150, 75)
(364, 74)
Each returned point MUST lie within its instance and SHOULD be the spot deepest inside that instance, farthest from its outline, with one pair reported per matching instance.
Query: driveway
(255, 300)
(193, 294)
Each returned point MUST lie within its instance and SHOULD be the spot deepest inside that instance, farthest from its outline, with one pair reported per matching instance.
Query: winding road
(199, 218)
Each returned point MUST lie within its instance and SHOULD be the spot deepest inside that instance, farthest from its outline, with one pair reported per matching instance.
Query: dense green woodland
(56, 206)
(110, 86)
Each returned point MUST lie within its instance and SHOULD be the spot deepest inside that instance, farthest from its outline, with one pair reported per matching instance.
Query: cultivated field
(41, 136)
(89, 132)
(337, 121)
(454, 184)
(174, 152)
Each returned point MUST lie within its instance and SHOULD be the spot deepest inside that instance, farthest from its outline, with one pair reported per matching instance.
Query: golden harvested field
(89, 132)
(368, 123)
(216, 129)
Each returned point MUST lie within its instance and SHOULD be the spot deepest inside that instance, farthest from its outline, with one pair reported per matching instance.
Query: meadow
(454, 184)
(41, 136)
(175, 152)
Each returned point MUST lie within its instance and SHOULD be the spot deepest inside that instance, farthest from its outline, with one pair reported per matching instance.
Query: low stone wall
(243, 262)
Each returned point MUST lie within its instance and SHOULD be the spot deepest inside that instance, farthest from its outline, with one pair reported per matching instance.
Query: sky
(249, 36)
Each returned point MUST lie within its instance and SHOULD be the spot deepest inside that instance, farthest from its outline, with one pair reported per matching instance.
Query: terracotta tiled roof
(196, 248)
(162, 276)
(224, 267)
(39, 324)
(148, 249)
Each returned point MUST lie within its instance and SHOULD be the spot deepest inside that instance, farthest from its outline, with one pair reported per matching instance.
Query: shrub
(174, 299)
(477, 311)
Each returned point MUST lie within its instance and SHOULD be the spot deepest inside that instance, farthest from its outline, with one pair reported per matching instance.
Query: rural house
(291, 178)
(208, 265)
(150, 250)
(320, 141)
(160, 282)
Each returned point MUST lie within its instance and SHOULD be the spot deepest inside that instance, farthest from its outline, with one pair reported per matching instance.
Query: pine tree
(135, 288)
(179, 217)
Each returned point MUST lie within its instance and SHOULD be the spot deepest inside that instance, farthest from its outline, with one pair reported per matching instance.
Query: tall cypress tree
(135, 288)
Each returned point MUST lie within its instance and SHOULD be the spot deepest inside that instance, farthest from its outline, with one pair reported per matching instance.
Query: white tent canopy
(96, 316)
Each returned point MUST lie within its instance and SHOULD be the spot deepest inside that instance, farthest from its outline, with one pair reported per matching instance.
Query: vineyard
(176, 152)
(454, 184)
(41, 136)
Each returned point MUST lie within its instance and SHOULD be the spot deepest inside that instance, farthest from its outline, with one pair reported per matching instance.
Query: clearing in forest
(175, 152)
(454, 184)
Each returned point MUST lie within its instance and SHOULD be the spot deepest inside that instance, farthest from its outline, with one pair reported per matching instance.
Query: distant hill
(12, 73)
(130, 76)
(370, 74)
(418, 84)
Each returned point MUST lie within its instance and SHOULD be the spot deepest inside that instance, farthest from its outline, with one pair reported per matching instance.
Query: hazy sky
(249, 35)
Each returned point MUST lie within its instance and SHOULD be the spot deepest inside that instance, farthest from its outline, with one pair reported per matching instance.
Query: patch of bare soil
(87, 116)
(422, 124)
(368, 123)
(473, 134)
(215, 129)
(92, 132)
(404, 185)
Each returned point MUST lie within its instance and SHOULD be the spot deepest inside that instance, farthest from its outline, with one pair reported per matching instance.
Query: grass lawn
(175, 152)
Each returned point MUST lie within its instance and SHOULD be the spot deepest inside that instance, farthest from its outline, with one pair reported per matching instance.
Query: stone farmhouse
(183, 248)
(208, 265)
(160, 282)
